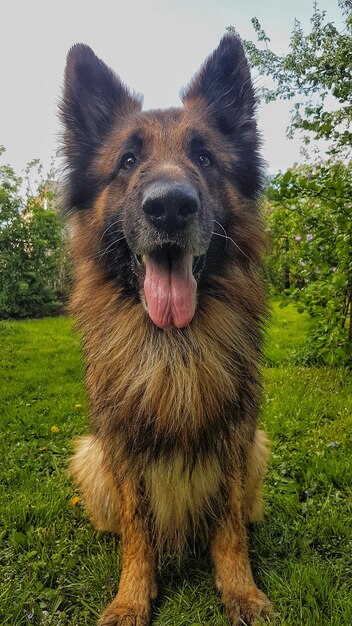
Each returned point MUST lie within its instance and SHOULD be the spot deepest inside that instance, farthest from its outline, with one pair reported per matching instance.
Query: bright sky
(154, 45)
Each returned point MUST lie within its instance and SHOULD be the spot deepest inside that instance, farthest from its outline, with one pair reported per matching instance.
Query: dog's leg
(234, 579)
(96, 484)
(255, 472)
(116, 508)
(137, 587)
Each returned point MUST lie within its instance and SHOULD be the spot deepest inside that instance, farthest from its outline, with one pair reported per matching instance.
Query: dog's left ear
(224, 86)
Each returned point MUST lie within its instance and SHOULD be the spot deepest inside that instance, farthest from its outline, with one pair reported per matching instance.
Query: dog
(167, 242)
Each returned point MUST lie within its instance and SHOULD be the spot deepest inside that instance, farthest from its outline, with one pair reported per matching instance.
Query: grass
(57, 570)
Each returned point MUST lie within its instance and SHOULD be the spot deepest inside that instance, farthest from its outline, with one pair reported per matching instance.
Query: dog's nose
(170, 206)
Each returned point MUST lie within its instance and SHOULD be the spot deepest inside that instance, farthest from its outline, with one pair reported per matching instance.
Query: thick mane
(164, 390)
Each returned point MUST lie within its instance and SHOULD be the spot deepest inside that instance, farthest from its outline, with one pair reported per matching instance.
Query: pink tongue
(170, 291)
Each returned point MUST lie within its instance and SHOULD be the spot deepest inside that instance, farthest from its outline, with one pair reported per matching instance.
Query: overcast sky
(154, 45)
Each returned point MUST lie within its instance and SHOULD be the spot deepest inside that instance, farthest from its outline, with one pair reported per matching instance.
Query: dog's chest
(181, 498)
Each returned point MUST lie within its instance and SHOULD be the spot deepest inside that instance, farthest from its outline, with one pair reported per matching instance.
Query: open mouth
(170, 287)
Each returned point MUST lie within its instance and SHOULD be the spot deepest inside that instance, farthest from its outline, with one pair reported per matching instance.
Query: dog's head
(162, 187)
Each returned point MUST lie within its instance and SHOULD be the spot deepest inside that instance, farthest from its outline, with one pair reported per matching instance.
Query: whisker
(234, 243)
(223, 229)
(225, 236)
(105, 252)
(120, 221)
(102, 253)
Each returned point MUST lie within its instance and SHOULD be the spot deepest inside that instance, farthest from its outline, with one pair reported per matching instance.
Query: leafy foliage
(318, 68)
(309, 213)
(34, 264)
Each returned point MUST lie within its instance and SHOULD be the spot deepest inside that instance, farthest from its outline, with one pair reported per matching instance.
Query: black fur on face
(104, 125)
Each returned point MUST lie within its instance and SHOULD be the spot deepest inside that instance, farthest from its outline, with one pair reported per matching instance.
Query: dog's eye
(204, 160)
(128, 161)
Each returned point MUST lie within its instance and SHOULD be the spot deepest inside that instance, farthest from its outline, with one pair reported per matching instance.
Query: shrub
(34, 265)
(309, 214)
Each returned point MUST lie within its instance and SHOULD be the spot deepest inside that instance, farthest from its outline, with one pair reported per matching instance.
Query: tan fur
(89, 470)
(177, 499)
(137, 584)
(233, 574)
(256, 469)
(180, 497)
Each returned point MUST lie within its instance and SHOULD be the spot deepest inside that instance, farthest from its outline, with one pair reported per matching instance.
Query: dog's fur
(172, 367)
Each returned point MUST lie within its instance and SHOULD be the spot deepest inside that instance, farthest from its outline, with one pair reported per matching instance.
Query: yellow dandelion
(55, 429)
(75, 500)
(78, 405)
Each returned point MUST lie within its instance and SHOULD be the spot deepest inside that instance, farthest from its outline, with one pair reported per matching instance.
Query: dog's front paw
(248, 607)
(124, 615)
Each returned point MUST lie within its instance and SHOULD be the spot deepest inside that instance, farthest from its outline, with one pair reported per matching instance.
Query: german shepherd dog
(168, 242)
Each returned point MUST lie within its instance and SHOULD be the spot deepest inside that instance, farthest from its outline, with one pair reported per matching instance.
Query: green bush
(34, 265)
(310, 220)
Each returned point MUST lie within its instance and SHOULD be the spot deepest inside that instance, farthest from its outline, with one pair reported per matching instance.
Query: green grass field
(55, 569)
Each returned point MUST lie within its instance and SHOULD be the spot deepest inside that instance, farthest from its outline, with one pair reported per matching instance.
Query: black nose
(170, 206)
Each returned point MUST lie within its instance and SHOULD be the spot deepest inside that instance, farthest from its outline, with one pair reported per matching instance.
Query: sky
(155, 46)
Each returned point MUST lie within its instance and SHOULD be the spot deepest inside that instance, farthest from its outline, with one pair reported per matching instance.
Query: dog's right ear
(93, 100)
(93, 96)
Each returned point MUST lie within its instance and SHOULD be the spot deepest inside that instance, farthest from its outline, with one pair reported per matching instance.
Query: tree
(310, 211)
(318, 68)
(309, 215)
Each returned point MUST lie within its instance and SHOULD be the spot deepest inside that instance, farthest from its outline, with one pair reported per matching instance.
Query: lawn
(55, 569)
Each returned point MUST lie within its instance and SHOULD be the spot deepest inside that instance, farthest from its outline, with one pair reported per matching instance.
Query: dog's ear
(224, 85)
(94, 99)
